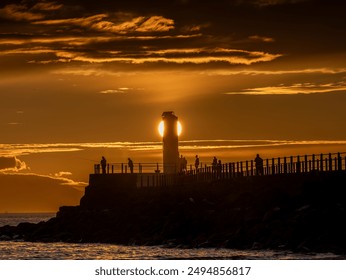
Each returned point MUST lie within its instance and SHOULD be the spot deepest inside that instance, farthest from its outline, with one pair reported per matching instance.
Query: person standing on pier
(214, 165)
(182, 164)
(130, 164)
(103, 165)
(196, 163)
(259, 165)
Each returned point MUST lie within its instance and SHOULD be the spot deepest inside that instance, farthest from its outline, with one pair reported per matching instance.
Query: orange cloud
(261, 39)
(47, 6)
(84, 22)
(115, 91)
(254, 72)
(97, 23)
(300, 88)
(182, 56)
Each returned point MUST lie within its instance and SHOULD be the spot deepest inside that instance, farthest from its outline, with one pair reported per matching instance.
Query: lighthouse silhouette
(170, 143)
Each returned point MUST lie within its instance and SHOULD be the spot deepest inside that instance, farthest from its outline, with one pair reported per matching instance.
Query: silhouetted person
(184, 164)
(259, 165)
(181, 164)
(214, 165)
(103, 165)
(196, 162)
(130, 164)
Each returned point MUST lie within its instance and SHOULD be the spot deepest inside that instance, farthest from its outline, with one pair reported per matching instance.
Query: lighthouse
(170, 143)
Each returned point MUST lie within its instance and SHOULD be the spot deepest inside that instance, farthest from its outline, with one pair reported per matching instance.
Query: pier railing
(112, 168)
(151, 174)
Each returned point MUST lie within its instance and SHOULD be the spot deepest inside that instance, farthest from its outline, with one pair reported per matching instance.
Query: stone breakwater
(302, 212)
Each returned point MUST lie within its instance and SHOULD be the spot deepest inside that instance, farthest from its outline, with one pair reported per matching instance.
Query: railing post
(313, 162)
(96, 168)
(291, 165)
(285, 165)
(321, 160)
(247, 168)
(122, 168)
(267, 166)
(273, 166)
(252, 168)
(326, 163)
(305, 163)
(298, 165)
(339, 162)
(241, 168)
(237, 168)
(330, 162)
(279, 165)
(112, 168)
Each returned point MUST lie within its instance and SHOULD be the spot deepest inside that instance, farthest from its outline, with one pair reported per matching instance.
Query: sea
(21, 250)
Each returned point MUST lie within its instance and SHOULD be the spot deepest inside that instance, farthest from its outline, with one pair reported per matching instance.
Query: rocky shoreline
(303, 213)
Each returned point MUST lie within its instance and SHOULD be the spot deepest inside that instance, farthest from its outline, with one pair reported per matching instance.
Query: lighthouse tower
(170, 143)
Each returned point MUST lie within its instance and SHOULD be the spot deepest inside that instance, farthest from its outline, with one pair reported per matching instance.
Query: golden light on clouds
(301, 88)
(91, 80)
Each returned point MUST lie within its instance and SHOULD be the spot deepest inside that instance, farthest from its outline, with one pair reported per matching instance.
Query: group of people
(103, 163)
(216, 165)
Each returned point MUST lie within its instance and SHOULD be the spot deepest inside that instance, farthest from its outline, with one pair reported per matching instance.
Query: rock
(5, 237)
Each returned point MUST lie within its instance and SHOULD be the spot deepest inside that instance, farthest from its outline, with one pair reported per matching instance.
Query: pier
(151, 174)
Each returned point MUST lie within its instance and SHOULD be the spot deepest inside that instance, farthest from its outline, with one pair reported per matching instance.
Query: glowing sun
(161, 128)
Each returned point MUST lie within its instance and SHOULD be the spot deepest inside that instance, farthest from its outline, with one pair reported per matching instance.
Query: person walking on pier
(130, 164)
(196, 163)
(259, 165)
(103, 165)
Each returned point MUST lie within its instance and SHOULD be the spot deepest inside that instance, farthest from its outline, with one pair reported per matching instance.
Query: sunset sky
(82, 79)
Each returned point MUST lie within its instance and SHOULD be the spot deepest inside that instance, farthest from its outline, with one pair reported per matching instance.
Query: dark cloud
(23, 11)
(85, 31)
(19, 12)
(7, 162)
(11, 164)
(29, 193)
